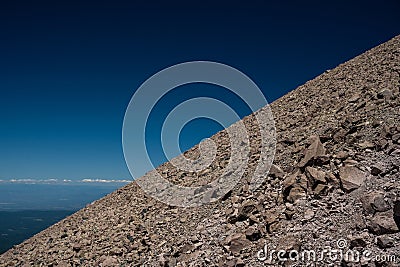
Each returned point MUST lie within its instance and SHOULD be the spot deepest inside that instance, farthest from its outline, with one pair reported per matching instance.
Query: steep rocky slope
(335, 178)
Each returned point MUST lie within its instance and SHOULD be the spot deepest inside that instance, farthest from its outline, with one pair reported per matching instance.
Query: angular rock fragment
(295, 186)
(270, 217)
(385, 94)
(396, 137)
(366, 144)
(309, 214)
(383, 223)
(320, 189)
(276, 171)
(253, 234)
(385, 241)
(316, 176)
(339, 135)
(316, 149)
(290, 181)
(358, 241)
(186, 247)
(351, 177)
(342, 155)
(396, 213)
(296, 193)
(376, 170)
(237, 243)
(245, 210)
(374, 202)
(76, 247)
(290, 242)
(354, 98)
(108, 261)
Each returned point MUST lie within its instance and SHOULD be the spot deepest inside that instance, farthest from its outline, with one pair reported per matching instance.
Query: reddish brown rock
(383, 223)
(316, 149)
(374, 202)
(237, 243)
(296, 193)
(276, 171)
(317, 176)
(351, 177)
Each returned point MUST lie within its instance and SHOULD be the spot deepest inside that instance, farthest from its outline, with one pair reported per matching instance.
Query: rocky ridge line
(335, 176)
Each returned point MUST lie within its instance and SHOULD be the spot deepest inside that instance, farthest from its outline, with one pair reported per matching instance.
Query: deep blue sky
(68, 69)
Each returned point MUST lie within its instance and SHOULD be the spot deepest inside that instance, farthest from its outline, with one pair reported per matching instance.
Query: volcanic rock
(342, 155)
(385, 94)
(383, 223)
(385, 241)
(373, 202)
(237, 243)
(375, 170)
(296, 193)
(358, 241)
(315, 150)
(351, 177)
(276, 171)
(253, 234)
(317, 176)
(325, 131)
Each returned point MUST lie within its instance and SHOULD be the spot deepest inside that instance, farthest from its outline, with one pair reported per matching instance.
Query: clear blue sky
(68, 69)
